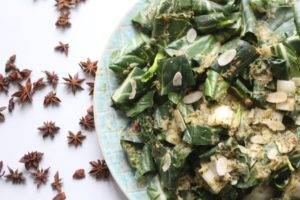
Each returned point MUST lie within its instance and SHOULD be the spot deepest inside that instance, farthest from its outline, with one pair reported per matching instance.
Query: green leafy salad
(212, 92)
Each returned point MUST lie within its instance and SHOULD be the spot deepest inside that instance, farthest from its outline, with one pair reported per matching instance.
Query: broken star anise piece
(89, 67)
(60, 196)
(63, 48)
(2, 118)
(90, 111)
(52, 78)
(10, 64)
(14, 76)
(74, 83)
(32, 160)
(63, 20)
(51, 99)
(25, 73)
(79, 174)
(64, 4)
(11, 104)
(76, 139)
(49, 129)
(57, 184)
(15, 176)
(2, 172)
(38, 85)
(99, 169)
(3, 84)
(24, 93)
(91, 88)
(40, 176)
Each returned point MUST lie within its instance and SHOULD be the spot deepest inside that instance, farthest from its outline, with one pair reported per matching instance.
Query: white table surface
(27, 29)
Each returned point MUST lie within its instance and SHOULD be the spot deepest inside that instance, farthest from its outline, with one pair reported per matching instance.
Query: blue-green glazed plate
(109, 122)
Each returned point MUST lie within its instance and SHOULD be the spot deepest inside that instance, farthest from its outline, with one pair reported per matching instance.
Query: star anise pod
(89, 67)
(57, 184)
(24, 93)
(87, 122)
(10, 64)
(2, 118)
(63, 48)
(74, 83)
(64, 4)
(3, 84)
(52, 78)
(11, 104)
(15, 176)
(51, 98)
(49, 129)
(60, 196)
(40, 176)
(63, 20)
(76, 139)
(99, 169)
(32, 160)
(38, 85)
(2, 172)
(79, 174)
(14, 75)
(25, 73)
(91, 88)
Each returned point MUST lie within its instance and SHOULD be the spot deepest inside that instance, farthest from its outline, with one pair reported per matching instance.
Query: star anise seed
(89, 67)
(10, 64)
(74, 83)
(11, 104)
(15, 176)
(63, 48)
(38, 85)
(99, 169)
(76, 139)
(49, 129)
(3, 84)
(2, 117)
(24, 93)
(57, 184)
(51, 99)
(91, 88)
(52, 78)
(79, 174)
(32, 160)
(40, 176)
(60, 196)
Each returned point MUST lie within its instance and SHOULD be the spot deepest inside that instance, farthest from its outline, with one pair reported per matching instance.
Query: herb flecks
(63, 48)
(51, 99)
(15, 176)
(32, 160)
(49, 129)
(74, 83)
(89, 67)
(99, 169)
(40, 176)
(76, 139)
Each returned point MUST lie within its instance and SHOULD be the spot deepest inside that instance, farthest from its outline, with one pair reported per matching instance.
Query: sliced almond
(191, 35)
(277, 97)
(288, 87)
(274, 125)
(226, 57)
(192, 97)
(177, 79)
(167, 162)
(179, 120)
(258, 139)
(222, 166)
(288, 105)
(133, 89)
(272, 153)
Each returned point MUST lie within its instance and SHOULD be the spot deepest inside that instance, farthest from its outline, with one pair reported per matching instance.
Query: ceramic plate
(109, 122)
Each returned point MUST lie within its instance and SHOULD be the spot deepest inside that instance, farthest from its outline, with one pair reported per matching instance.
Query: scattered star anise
(79, 174)
(14, 75)
(2, 118)
(3, 84)
(57, 184)
(40, 176)
(76, 139)
(63, 48)
(51, 99)
(74, 83)
(91, 87)
(15, 177)
(60, 196)
(10, 64)
(99, 169)
(63, 20)
(49, 129)
(11, 104)
(32, 160)
(89, 67)
(25, 73)
(38, 85)
(52, 78)
(64, 4)
(2, 172)
(87, 122)
(24, 93)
